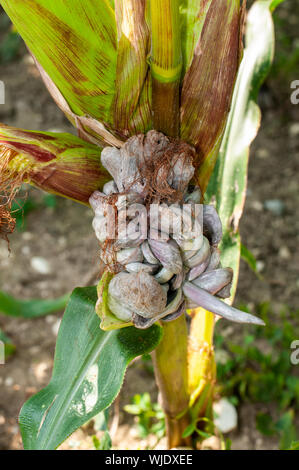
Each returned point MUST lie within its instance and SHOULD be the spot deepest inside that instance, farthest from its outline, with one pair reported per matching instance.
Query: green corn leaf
(92, 56)
(30, 308)
(229, 180)
(250, 259)
(104, 443)
(75, 42)
(9, 348)
(274, 3)
(89, 368)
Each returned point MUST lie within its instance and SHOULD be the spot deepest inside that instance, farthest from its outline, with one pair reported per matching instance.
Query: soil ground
(63, 237)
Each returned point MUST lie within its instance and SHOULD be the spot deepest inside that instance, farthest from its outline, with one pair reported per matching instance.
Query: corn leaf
(193, 15)
(32, 308)
(132, 113)
(250, 259)
(92, 55)
(59, 163)
(89, 368)
(7, 348)
(213, 39)
(75, 42)
(229, 180)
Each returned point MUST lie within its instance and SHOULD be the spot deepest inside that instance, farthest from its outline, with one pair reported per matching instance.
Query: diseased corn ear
(58, 163)
(210, 77)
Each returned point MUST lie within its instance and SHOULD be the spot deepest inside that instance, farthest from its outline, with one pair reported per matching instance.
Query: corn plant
(162, 94)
